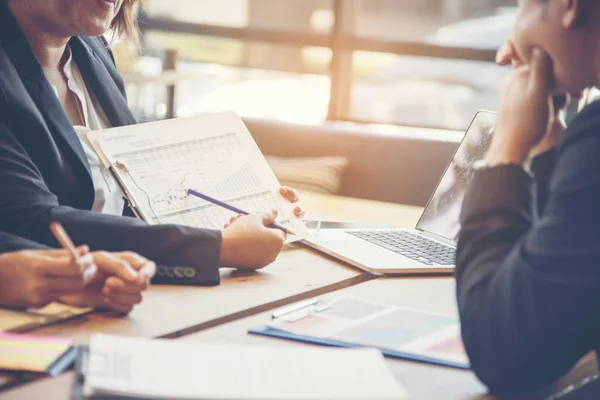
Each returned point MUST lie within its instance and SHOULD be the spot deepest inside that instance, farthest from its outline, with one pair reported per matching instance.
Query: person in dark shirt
(528, 256)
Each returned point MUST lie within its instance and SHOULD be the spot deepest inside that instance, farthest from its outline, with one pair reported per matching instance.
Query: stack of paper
(159, 369)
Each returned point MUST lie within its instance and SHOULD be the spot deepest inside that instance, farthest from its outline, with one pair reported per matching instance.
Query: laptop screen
(441, 215)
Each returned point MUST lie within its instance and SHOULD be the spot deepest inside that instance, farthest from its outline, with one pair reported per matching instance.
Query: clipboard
(314, 307)
(155, 171)
(264, 330)
(128, 196)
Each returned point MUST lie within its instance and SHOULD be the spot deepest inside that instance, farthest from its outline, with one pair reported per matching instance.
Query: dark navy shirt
(528, 263)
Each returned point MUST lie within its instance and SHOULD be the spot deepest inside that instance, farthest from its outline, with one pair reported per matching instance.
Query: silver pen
(318, 228)
(316, 304)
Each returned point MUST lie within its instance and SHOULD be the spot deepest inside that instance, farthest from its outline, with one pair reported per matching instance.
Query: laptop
(430, 247)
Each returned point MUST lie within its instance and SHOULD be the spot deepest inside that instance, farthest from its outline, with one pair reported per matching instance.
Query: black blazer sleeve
(44, 172)
(529, 291)
(9, 243)
(184, 255)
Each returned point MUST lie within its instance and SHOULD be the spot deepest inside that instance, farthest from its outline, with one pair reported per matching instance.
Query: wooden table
(335, 208)
(422, 381)
(173, 311)
(298, 273)
(242, 301)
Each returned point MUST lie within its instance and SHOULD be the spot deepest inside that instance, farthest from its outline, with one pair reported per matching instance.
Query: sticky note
(30, 353)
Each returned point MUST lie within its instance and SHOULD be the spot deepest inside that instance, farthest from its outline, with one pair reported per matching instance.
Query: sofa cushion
(315, 174)
(402, 165)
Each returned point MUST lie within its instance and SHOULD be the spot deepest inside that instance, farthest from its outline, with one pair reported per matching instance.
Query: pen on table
(65, 241)
(294, 307)
(234, 209)
(318, 228)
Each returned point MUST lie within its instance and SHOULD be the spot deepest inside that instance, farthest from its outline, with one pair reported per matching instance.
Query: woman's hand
(289, 194)
(119, 283)
(293, 197)
(525, 111)
(249, 244)
(35, 278)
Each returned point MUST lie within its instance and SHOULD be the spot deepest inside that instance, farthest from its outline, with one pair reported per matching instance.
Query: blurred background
(408, 62)
(378, 92)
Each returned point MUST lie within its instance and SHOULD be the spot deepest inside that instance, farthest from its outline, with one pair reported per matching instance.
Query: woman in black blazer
(44, 172)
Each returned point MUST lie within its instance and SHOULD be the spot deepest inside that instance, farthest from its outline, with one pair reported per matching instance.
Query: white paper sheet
(213, 154)
(170, 369)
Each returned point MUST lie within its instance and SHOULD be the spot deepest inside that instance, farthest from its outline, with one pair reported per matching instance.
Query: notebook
(157, 163)
(354, 322)
(167, 369)
(40, 354)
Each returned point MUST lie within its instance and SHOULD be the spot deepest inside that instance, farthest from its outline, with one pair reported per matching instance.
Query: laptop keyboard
(411, 245)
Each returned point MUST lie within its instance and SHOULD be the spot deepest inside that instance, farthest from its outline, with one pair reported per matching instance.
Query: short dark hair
(125, 23)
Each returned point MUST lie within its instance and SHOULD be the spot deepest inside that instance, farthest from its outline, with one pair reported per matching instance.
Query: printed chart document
(398, 332)
(214, 154)
(157, 369)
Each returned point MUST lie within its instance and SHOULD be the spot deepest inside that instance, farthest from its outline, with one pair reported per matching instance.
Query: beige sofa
(393, 164)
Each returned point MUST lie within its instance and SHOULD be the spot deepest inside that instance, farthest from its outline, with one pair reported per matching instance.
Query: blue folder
(265, 330)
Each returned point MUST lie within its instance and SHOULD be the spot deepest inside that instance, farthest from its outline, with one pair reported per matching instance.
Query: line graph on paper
(215, 165)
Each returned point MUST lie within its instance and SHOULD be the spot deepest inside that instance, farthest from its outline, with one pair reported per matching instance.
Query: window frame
(341, 44)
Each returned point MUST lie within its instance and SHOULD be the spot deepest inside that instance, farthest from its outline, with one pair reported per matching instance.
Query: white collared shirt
(108, 198)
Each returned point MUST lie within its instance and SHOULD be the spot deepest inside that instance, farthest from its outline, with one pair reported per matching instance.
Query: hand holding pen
(110, 280)
(80, 256)
(239, 211)
(249, 243)
(121, 265)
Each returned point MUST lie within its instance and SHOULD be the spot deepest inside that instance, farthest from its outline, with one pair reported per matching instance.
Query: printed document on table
(213, 154)
(363, 322)
(157, 369)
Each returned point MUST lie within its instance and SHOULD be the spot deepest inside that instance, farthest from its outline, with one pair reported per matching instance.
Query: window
(275, 15)
(422, 63)
(422, 91)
